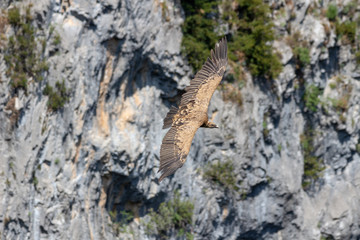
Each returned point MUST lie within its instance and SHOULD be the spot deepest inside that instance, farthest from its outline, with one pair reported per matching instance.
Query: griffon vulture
(192, 112)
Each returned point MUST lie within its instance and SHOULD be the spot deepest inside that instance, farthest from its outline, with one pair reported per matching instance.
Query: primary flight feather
(192, 112)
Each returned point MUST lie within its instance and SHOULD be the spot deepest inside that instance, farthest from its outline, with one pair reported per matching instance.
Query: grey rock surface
(64, 172)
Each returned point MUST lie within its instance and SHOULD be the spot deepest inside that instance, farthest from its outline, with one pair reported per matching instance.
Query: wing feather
(169, 117)
(176, 146)
(214, 66)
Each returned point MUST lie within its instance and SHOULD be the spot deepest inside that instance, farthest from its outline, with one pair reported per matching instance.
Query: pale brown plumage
(192, 112)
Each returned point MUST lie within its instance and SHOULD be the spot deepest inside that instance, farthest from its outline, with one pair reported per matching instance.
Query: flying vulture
(192, 112)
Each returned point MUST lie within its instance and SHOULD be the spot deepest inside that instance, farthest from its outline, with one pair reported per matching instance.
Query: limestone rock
(69, 174)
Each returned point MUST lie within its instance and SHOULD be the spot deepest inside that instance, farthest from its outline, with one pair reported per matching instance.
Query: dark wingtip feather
(216, 64)
(170, 169)
(169, 155)
(220, 52)
(169, 117)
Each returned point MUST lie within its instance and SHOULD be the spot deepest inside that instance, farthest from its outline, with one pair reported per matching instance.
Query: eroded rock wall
(64, 172)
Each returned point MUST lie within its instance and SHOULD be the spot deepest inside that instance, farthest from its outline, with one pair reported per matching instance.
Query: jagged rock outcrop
(65, 172)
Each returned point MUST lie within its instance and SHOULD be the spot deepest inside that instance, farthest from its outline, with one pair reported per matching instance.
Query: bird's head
(211, 125)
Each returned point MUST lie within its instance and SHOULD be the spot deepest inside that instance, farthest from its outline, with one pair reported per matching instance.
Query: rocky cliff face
(68, 174)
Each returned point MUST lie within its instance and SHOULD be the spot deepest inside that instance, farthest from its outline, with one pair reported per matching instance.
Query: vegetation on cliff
(174, 215)
(22, 58)
(250, 34)
(24, 55)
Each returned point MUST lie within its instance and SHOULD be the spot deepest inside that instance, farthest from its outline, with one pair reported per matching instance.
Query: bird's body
(192, 112)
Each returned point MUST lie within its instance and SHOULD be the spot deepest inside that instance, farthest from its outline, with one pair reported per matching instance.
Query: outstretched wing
(176, 146)
(203, 86)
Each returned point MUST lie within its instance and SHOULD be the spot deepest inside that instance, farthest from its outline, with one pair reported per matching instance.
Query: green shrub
(58, 97)
(311, 97)
(358, 148)
(302, 55)
(252, 36)
(313, 166)
(35, 181)
(196, 51)
(332, 12)
(7, 183)
(57, 39)
(300, 49)
(14, 16)
(192, 7)
(172, 215)
(341, 104)
(332, 85)
(222, 173)
(198, 29)
(120, 220)
(266, 131)
(346, 31)
(357, 57)
(21, 57)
